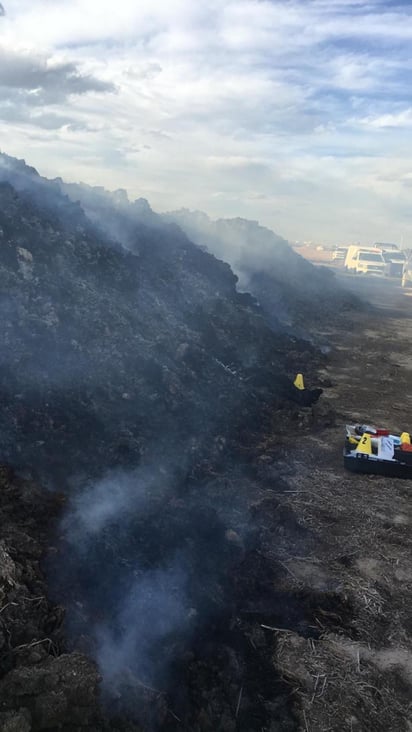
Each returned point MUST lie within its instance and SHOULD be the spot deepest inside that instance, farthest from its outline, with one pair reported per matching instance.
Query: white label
(386, 448)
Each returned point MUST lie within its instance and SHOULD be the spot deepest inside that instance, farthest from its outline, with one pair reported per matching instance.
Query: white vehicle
(339, 253)
(393, 255)
(407, 270)
(386, 247)
(365, 260)
(394, 262)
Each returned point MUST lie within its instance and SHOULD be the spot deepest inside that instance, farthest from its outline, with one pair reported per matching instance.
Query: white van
(386, 247)
(365, 260)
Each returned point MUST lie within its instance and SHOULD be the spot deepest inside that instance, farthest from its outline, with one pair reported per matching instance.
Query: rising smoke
(132, 602)
(265, 265)
(150, 375)
(146, 570)
(131, 645)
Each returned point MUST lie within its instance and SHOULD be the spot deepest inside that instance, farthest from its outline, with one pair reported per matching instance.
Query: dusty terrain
(353, 670)
(200, 543)
(309, 622)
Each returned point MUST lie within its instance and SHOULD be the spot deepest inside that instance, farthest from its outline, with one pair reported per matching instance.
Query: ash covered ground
(150, 400)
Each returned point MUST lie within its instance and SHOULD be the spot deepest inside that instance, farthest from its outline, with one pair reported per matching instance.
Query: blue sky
(297, 113)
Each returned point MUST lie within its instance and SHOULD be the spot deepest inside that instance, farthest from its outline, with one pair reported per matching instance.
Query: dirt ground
(307, 623)
(355, 671)
(315, 255)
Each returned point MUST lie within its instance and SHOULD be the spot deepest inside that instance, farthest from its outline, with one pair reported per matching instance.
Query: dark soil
(200, 539)
(41, 687)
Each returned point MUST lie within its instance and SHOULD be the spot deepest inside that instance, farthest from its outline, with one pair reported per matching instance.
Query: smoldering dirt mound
(41, 686)
(191, 645)
(110, 355)
(289, 289)
(287, 286)
(184, 596)
(142, 384)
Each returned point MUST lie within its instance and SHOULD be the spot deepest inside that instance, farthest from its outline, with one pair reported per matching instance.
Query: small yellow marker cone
(405, 437)
(299, 382)
(365, 444)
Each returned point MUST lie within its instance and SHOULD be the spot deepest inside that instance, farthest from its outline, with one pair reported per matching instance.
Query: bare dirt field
(315, 255)
(353, 670)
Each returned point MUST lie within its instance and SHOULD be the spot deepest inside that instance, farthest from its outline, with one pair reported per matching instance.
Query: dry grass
(357, 673)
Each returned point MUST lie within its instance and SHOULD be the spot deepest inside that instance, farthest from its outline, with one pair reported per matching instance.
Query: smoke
(246, 245)
(154, 606)
(145, 570)
(43, 194)
(284, 284)
(143, 599)
(116, 497)
(151, 361)
(2, 10)
(106, 349)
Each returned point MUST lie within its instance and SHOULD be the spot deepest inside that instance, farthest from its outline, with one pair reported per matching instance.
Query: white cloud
(394, 120)
(278, 107)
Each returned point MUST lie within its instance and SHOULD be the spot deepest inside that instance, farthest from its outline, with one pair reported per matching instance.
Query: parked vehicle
(339, 253)
(407, 271)
(386, 247)
(395, 261)
(365, 260)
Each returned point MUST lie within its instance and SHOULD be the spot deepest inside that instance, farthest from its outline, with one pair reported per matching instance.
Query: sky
(295, 113)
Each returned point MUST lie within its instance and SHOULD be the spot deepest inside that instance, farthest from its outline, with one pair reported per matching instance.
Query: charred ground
(156, 403)
(139, 385)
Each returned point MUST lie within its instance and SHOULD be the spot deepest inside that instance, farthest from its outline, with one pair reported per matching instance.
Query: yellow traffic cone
(365, 444)
(299, 382)
(405, 437)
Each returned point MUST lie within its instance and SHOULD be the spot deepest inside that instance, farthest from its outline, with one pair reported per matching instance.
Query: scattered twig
(306, 721)
(275, 630)
(314, 689)
(34, 643)
(149, 688)
(34, 599)
(289, 570)
(299, 491)
(15, 604)
(312, 644)
(239, 701)
(174, 716)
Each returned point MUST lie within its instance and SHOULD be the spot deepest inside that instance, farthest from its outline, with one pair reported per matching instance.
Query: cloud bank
(294, 113)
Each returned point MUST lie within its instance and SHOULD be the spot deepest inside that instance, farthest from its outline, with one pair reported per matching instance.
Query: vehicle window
(370, 257)
(394, 257)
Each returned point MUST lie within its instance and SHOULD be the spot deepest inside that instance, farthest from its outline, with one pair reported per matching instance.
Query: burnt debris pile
(291, 292)
(111, 355)
(143, 386)
(41, 685)
(288, 287)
